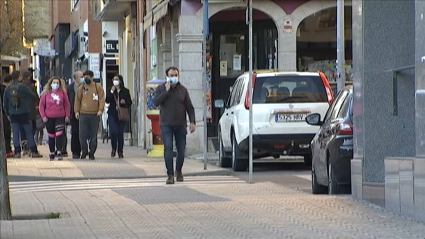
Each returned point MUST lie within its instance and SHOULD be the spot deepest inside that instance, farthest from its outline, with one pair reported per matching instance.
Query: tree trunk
(5, 211)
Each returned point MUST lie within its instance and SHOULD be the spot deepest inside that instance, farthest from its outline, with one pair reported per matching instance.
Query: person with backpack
(33, 108)
(7, 130)
(89, 106)
(55, 111)
(16, 102)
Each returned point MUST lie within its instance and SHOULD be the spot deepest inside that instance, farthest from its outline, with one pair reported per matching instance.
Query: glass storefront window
(232, 53)
(265, 49)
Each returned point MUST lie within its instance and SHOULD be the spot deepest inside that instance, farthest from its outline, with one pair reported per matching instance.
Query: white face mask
(174, 80)
(55, 86)
(116, 82)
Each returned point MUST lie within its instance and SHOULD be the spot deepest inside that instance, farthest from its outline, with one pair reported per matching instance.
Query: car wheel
(238, 162)
(332, 184)
(316, 188)
(223, 160)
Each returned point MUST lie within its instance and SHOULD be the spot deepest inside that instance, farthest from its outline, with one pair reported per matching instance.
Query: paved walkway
(127, 198)
(134, 165)
(201, 207)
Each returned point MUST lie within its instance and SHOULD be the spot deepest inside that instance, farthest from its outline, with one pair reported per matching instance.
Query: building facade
(288, 35)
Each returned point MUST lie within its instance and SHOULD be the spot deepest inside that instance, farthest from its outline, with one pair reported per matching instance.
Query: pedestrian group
(79, 105)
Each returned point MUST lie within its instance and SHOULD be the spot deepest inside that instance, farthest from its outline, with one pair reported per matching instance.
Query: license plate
(290, 117)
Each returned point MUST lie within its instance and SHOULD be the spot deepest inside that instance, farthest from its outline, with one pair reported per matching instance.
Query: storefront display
(329, 69)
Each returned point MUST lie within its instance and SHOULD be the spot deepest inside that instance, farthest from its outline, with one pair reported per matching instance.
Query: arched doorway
(317, 45)
(229, 49)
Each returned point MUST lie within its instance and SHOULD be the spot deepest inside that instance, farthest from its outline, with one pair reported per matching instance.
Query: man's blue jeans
(16, 136)
(179, 134)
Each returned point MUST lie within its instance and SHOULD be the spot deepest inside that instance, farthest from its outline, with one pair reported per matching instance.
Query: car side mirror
(314, 119)
(219, 104)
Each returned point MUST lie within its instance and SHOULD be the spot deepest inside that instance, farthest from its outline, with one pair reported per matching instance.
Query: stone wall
(384, 110)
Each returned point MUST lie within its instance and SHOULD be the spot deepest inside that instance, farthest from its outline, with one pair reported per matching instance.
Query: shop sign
(112, 46)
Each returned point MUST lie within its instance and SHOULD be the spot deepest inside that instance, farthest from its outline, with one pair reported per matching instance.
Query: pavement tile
(204, 210)
(157, 195)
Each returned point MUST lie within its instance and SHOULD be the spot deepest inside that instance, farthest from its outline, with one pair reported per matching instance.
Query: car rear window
(289, 89)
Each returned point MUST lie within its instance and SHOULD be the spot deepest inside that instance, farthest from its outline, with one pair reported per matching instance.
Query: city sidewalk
(134, 165)
(218, 207)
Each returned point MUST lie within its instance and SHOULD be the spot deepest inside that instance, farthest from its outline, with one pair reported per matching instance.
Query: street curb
(19, 178)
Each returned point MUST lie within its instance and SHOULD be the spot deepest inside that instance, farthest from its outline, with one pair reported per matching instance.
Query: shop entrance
(111, 70)
(229, 48)
(317, 46)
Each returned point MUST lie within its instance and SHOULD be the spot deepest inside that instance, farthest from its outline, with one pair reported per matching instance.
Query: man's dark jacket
(174, 104)
(71, 96)
(33, 110)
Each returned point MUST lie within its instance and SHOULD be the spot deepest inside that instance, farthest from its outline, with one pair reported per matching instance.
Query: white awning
(159, 11)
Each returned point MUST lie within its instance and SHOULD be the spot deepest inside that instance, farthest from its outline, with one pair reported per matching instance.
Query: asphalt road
(293, 175)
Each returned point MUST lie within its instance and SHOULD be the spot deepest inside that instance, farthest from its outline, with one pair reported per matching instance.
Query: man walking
(7, 130)
(175, 103)
(72, 90)
(28, 81)
(89, 105)
(16, 101)
(33, 110)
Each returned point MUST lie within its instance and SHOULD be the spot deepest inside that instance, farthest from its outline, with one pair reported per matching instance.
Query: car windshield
(289, 89)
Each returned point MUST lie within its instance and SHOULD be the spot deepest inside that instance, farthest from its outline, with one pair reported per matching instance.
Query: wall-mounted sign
(223, 68)
(94, 65)
(287, 26)
(237, 62)
(112, 46)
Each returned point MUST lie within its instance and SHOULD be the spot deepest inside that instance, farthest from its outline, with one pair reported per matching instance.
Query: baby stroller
(105, 125)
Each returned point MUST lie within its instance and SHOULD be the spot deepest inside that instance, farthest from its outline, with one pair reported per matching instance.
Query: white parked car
(281, 101)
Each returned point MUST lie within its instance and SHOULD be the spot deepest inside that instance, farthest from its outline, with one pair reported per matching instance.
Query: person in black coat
(75, 123)
(120, 94)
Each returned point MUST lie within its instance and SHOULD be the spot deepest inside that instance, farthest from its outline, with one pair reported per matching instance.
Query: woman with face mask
(118, 98)
(55, 110)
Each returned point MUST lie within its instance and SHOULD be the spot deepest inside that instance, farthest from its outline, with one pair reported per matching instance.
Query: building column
(166, 45)
(191, 74)
(174, 27)
(159, 55)
(379, 48)
(419, 162)
(287, 45)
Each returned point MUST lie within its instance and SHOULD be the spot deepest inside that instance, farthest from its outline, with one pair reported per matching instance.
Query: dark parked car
(332, 146)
